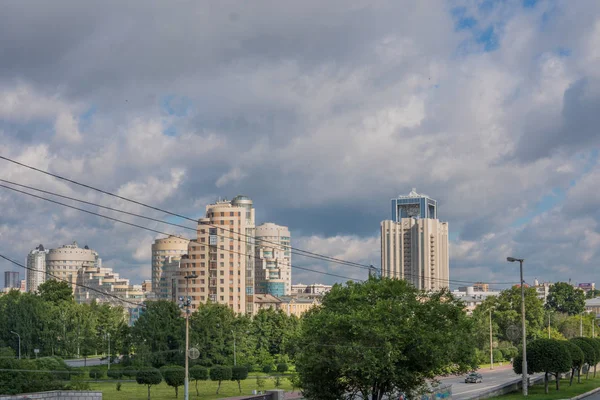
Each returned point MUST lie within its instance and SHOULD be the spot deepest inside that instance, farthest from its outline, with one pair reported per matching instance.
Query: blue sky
(321, 112)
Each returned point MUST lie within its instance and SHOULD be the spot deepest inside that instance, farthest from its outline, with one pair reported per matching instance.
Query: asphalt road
(595, 396)
(90, 362)
(491, 378)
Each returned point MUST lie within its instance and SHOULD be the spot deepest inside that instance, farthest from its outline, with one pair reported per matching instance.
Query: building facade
(66, 261)
(170, 248)
(273, 260)
(315, 288)
(36, 268)
(11, 280)
(222, 257)
(415, 248)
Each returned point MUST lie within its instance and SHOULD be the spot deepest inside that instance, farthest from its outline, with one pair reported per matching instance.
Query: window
(231, 214)
(222, 265)
(222, 273)
(222, 298)
(202, 264)
(222, 281)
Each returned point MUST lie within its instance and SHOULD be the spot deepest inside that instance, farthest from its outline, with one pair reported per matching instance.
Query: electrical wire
(152, 230)
(148, 218)
(332, 259)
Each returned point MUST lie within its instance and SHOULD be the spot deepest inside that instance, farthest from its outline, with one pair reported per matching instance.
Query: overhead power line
(448, 281)
(150, 218)
(332, 259)
(153, 230)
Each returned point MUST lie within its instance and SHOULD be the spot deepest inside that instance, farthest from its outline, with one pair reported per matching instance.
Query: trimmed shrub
(282, 368)
(220, 373)
(239, 374)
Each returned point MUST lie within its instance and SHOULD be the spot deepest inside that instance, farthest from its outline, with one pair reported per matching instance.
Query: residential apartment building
(414, 244)
(36, 268)
(222, 257)
(66, 261)
(11, 280)
(170, 248)
(167, 287)
(472, 297)
(273, 260)
(291, 305)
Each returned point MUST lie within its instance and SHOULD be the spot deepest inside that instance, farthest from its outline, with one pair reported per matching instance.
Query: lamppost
(234, 356)
(524, 383)
(108, 336)
(19, 336)
(491, 341)
(186, 304)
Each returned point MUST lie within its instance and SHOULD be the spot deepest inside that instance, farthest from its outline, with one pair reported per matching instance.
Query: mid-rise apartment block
(273, 260)
(414, 244)
(170, 248)
(222, 257)
(36, 268)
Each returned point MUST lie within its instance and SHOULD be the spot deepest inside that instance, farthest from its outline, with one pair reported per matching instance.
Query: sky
(321, 112)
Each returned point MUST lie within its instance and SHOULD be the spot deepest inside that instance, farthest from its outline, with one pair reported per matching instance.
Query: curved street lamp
(524, 383)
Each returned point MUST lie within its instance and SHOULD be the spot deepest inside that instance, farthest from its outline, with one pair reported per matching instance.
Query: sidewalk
(288, 396)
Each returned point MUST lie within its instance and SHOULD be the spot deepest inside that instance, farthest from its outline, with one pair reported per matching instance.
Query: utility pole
(186, 304)
(19, 336)
(108, 335)
(525, 380)
(548, 325)
(581, 324)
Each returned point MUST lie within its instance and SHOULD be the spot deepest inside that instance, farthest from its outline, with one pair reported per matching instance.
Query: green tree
(198, 373)
(239, 374)
(56, 292)
(159, 331)
(382, 336)
(577, 359)
(220, 373)
(595, 343)
(564, 298)
(174, 376)
(148, 376)
(211, 327)
(589, 352)
(550, 356)
(591, 294)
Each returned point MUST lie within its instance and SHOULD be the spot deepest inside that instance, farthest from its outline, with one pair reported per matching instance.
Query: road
(90, 362)
(595, 396)
(491, 378)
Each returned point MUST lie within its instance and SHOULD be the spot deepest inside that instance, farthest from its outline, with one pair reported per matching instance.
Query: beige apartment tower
(66, 261)
(414, 245)
(168, 249)
(222, 257)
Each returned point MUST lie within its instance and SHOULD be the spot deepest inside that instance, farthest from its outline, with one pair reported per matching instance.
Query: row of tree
(554, 357)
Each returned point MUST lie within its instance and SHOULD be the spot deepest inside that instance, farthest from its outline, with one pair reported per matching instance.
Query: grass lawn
(565, 392)
(208, 389)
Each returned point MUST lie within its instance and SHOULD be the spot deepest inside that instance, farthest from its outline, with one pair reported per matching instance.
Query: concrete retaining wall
(509, 387)
(56, 395)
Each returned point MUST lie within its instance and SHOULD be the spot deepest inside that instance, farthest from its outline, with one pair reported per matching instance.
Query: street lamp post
(19, 336)
(524, 382)
(186, 303)
(491, 342)
(108, 336)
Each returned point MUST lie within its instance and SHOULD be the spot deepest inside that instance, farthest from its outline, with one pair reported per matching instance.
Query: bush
(220, 373)
(96, 373)
(498, 356)
(239, 374)
(148, 376)
(130, 372)
(174, 376)
(282, 368)
(115, 373)
(267, 369)
(577, 359)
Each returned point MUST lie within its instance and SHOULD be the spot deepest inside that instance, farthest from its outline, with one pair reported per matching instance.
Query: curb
(584, 395)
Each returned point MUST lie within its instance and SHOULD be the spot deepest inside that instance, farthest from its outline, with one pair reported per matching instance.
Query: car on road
(474, 377)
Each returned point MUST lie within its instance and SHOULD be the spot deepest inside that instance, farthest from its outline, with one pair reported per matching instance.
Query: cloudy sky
(319, 111)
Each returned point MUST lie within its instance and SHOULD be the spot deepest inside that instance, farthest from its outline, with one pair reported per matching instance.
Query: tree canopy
(549, 356)
(380, 337)
(564, 298)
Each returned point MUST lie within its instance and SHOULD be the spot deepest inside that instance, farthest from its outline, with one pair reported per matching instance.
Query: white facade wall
(36, 272)
(273, 258)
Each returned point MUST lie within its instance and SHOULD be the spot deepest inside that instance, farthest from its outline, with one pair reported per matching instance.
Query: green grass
(565, 392)
(208, 389)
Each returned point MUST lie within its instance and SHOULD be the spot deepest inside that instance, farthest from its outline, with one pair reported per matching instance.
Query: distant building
(36, 268)
(167, 287)
(587, 287)
(542, 289)
(23, 287)
(11, 280)
(478, 287)
(414, 243)
(65, 262)
(147, 285)
(315, 288)
(169, 248)
(273, 260)
(472, 298)
(291, 305)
